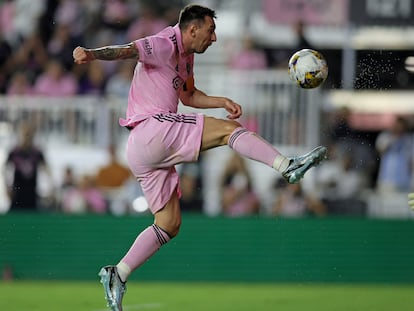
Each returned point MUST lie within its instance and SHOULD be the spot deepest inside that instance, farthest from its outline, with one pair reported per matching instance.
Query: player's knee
(229, 128)
(232, 125)
(174, 229)
(169, 217)
(171, 227)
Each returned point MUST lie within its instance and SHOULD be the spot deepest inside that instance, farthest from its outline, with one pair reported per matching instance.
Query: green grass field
(76, 296)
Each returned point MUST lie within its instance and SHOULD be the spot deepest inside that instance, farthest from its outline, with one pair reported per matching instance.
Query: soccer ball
(308, 68)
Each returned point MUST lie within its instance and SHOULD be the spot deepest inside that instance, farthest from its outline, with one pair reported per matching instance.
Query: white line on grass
(141, 306)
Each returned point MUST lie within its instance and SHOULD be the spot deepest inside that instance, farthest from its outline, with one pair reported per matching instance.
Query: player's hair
(194, 12)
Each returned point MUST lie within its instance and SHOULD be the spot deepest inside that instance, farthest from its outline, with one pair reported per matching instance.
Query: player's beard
(202, 49)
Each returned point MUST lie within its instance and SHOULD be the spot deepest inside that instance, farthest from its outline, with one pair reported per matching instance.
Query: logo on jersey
(147, 47)
(177, 82)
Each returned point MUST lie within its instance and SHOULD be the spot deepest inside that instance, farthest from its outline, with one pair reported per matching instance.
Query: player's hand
(411, 200)
(82, 56)
(234, 110)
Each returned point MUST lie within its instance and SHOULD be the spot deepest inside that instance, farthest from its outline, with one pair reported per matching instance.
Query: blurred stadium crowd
(36, 43)
(38, 37)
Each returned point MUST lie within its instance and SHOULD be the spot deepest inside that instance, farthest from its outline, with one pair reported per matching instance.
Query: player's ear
(193, 29)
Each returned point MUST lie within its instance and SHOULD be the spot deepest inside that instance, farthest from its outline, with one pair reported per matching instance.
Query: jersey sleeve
(154, 50)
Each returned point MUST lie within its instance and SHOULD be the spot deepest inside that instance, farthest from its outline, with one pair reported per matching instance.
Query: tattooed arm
(112, 52)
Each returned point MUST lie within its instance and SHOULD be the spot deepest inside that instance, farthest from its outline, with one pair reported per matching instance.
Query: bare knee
(170, 226)
(217, 132)
(169, 218)
(231, 125)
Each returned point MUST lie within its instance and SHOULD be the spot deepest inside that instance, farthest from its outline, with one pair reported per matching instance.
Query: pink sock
(252, 146)
(146, 244)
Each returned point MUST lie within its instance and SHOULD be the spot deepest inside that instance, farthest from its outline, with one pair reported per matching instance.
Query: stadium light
(140, 205)
(409, 64)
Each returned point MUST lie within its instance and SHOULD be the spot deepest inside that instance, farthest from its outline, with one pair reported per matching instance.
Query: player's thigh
(216, 132)
(169, 217)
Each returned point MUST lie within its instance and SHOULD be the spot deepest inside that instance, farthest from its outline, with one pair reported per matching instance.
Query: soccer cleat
(113, 286)
(299, 165)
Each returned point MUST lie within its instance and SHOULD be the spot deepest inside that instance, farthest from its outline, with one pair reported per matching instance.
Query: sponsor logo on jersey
(147, 47)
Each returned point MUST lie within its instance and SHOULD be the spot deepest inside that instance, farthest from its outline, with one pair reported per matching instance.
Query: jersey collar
(179, 39)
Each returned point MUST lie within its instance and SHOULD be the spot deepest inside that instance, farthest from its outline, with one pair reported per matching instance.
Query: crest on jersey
(177, 82)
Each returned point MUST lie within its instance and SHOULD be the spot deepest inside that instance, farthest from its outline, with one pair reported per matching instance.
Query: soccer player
(25, 161)
(160, 137)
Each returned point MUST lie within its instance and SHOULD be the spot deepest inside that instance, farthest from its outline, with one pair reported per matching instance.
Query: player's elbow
(187, 100)
(189, 97)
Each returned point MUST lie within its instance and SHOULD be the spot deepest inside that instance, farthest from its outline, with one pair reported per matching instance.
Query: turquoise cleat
(113, 286)
(299, 165)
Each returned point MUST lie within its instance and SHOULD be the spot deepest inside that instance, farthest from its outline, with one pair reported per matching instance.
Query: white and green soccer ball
(308, 68)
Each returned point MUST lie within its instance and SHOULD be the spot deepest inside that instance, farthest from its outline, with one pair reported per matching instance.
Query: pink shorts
(158, 143)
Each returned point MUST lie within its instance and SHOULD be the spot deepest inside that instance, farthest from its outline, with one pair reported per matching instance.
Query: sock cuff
(162, 235)
(235, 135)
(281, 163)
(123, 271)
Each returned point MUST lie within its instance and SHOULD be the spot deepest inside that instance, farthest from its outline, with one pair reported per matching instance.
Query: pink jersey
(162, 71)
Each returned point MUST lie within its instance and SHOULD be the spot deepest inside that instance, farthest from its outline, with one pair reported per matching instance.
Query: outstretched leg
(219, 132)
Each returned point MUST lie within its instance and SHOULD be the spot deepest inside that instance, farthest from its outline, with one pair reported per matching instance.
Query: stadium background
(368, 45)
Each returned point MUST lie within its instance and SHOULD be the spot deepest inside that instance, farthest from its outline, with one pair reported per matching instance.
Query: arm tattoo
(114, 52)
